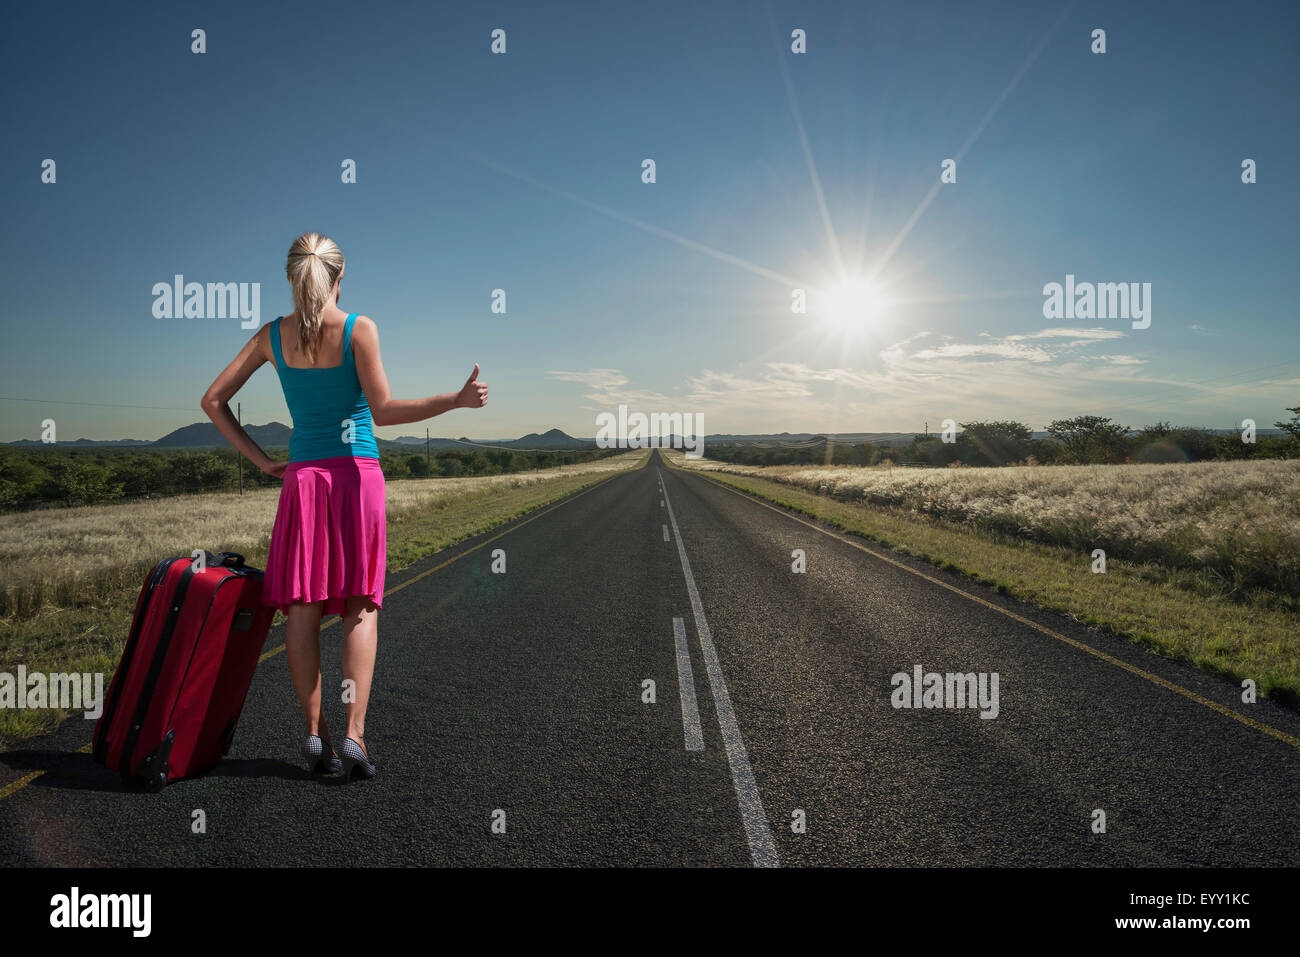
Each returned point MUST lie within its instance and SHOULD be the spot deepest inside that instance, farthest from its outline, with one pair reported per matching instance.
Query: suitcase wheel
(153, 769)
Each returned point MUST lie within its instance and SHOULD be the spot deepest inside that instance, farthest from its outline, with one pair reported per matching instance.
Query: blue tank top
(320, 403)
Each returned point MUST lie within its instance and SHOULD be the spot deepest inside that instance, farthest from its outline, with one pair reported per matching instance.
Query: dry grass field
(1238, 520)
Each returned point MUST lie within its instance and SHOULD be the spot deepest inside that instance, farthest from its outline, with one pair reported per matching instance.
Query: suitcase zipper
(155, 668)
(110, 706)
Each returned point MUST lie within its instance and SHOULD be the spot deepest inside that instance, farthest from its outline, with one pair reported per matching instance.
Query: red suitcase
(175, 698)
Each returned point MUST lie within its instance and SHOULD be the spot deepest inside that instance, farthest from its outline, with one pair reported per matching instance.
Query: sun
(853, 304)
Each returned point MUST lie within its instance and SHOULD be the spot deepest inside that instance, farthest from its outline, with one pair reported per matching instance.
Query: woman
(328, 545)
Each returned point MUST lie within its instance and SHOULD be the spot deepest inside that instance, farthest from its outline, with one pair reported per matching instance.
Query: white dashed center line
(686, 685)
(762, 849)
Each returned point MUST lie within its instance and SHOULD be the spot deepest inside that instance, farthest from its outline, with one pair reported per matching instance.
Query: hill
(205, 435)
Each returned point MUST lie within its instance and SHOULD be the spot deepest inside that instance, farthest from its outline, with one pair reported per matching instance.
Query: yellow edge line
(27, 779)
(22, 782)
(1110, 659)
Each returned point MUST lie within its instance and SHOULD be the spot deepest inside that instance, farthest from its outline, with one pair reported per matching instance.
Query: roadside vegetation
(1082, 440)
(34, 477)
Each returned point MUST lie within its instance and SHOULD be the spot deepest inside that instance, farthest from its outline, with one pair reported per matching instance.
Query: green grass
(88, 635)
(1178, 613)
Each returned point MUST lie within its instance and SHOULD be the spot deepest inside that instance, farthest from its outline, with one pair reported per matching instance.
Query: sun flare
(853, 304)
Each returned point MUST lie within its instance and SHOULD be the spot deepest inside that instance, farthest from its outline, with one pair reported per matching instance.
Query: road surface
(521, 697)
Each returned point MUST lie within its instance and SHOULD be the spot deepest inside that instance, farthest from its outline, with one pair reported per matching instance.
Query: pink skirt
(330, 538)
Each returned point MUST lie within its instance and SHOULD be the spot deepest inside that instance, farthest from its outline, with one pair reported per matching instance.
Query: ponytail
(314, 263)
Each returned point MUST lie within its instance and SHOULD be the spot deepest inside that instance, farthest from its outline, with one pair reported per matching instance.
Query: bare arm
(384, 409)
(216, 402)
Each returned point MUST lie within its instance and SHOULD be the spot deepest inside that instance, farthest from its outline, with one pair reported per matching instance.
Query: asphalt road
(523, 693)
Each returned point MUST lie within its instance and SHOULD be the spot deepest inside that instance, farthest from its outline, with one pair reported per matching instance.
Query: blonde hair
(315, 263)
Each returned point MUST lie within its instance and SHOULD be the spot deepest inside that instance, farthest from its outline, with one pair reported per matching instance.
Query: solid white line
(686, 685)
(665, 533)
(762, 849)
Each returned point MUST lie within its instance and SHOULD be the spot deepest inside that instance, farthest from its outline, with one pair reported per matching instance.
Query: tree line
(1082, 440)
(33, 476)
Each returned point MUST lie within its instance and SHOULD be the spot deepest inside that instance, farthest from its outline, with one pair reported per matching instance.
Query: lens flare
(853, 304)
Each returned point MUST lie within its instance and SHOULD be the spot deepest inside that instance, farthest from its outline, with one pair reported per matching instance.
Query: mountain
(85, 443)
(417, 441)
(205, 435)
(554, 439)
(276, 435)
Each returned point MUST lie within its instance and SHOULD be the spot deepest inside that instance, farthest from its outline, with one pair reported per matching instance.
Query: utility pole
(426, 448)
(239, 416)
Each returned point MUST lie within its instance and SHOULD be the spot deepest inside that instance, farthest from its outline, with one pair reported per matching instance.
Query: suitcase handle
(223, 559)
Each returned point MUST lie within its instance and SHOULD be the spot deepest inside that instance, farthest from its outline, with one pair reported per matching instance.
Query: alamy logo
(951, 690)
(134, 911)
(1103, 300)
(678, 430)
(39, 690)
(215, 300)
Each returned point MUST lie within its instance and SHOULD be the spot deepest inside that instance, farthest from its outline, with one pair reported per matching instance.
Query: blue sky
(523, 172)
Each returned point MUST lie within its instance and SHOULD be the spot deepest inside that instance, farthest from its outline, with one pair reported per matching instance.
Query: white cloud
(593, 378)
(1081, 335)
(798, 372)
(608, 392)
(923, 377)
(999, 350)
(911, 381)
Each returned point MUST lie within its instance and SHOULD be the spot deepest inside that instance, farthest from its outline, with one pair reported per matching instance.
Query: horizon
(775, 171)
(860, 435)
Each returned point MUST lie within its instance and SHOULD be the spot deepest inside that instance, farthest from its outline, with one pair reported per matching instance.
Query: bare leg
(360, 638)
(302, 646)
